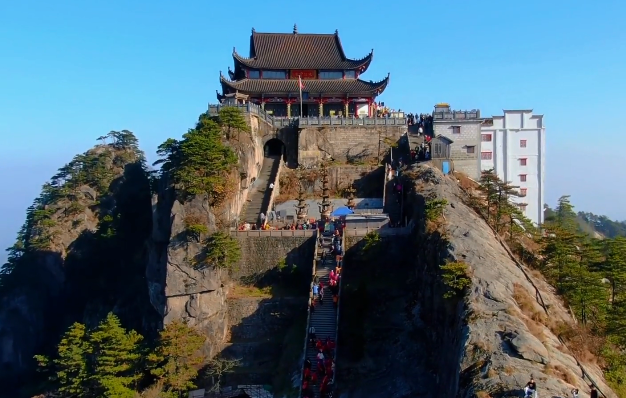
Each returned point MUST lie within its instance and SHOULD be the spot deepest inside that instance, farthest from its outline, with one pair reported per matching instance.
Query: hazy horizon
(72, 72)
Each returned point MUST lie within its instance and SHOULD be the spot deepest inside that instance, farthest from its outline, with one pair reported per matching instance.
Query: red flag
(300, 82)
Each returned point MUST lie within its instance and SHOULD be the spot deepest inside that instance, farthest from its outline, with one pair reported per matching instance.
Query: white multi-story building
(514, 145)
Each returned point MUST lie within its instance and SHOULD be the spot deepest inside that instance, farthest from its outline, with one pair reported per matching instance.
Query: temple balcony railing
(280, 122)
(351, 121)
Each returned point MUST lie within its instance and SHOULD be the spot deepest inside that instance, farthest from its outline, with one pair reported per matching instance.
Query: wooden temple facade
(279, 62)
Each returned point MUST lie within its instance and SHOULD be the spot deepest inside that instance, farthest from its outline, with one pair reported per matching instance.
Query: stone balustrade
(278, 233)
(280, 122)
(456, 115)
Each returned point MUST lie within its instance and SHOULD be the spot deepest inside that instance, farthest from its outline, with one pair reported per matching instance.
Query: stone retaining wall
(345, 143)
(261, 254)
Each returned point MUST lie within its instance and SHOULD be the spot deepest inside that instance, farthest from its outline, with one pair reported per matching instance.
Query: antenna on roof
(295, 29)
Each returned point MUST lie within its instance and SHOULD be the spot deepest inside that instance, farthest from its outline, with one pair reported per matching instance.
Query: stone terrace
(279, 122)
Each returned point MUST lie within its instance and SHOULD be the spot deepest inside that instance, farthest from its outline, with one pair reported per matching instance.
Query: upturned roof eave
(374, 87)
(350, 64)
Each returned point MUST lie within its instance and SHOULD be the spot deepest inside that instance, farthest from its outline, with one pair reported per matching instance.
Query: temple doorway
(274, 148)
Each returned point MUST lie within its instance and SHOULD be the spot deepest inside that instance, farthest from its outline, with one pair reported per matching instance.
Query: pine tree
(614, 267)
(222, 251)
(584, 288)
(177, 357)
(503, 206)
(116, 355)
(488, 181)
(565, 216)
(559, 253)
(205, 161)
(70, 369)
(170, 154)
(232, 119)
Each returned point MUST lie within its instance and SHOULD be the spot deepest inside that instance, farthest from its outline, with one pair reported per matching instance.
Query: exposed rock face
(177, 289)
(418, 343)
(503, 338)
(345, 143)
(38, 307)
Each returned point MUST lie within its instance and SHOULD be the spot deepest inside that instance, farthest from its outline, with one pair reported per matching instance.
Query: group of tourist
(422, 120)
(421, 152)
(324, 368)
(530, 390)
(322, 372)
(383, 111)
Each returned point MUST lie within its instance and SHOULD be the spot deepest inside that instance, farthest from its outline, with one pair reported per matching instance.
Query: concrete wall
(261, 254)
(344, 143)
(469, 136)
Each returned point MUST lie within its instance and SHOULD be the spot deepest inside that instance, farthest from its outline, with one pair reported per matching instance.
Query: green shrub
(222, 251)
(434, 208)
(455, 276)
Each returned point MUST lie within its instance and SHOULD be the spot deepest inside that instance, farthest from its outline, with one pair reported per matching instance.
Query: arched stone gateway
(274, 147)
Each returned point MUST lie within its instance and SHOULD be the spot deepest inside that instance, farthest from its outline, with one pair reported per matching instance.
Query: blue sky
(71, 71)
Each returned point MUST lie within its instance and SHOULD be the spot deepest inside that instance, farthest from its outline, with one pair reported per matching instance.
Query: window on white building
(522, 207)
(471, 149)
(486, 155)
(523, 191)
(522, 161)
(486, 137)
(522, 143)
(522, 177)
(456, 129)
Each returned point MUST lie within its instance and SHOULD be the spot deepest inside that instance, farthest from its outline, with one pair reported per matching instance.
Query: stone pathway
(324, 318)
(392, 207)
(256, 197)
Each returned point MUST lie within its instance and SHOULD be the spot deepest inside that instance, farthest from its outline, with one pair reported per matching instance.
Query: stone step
(254, 204)
(324, 317)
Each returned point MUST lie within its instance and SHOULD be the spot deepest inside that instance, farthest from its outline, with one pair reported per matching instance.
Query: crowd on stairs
(421, 131)
(318, 373)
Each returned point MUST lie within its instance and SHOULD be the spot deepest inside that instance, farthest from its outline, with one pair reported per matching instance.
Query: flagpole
(300, 86)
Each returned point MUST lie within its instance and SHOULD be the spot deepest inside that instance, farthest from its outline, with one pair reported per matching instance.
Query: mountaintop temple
(269, 77)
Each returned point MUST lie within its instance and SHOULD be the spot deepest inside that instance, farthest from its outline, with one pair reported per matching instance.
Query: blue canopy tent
(341, 212)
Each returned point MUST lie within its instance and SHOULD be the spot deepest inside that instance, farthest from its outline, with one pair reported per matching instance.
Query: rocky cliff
(63, 269)
(401, 337)
(507, 327)
(178, 290)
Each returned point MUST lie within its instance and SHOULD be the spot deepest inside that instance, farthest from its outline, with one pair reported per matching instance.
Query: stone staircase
(324, 318)
(258, 198)
(392, 207)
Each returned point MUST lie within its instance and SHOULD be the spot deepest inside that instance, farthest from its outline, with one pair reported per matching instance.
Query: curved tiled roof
(299, 51)
(290, 86)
